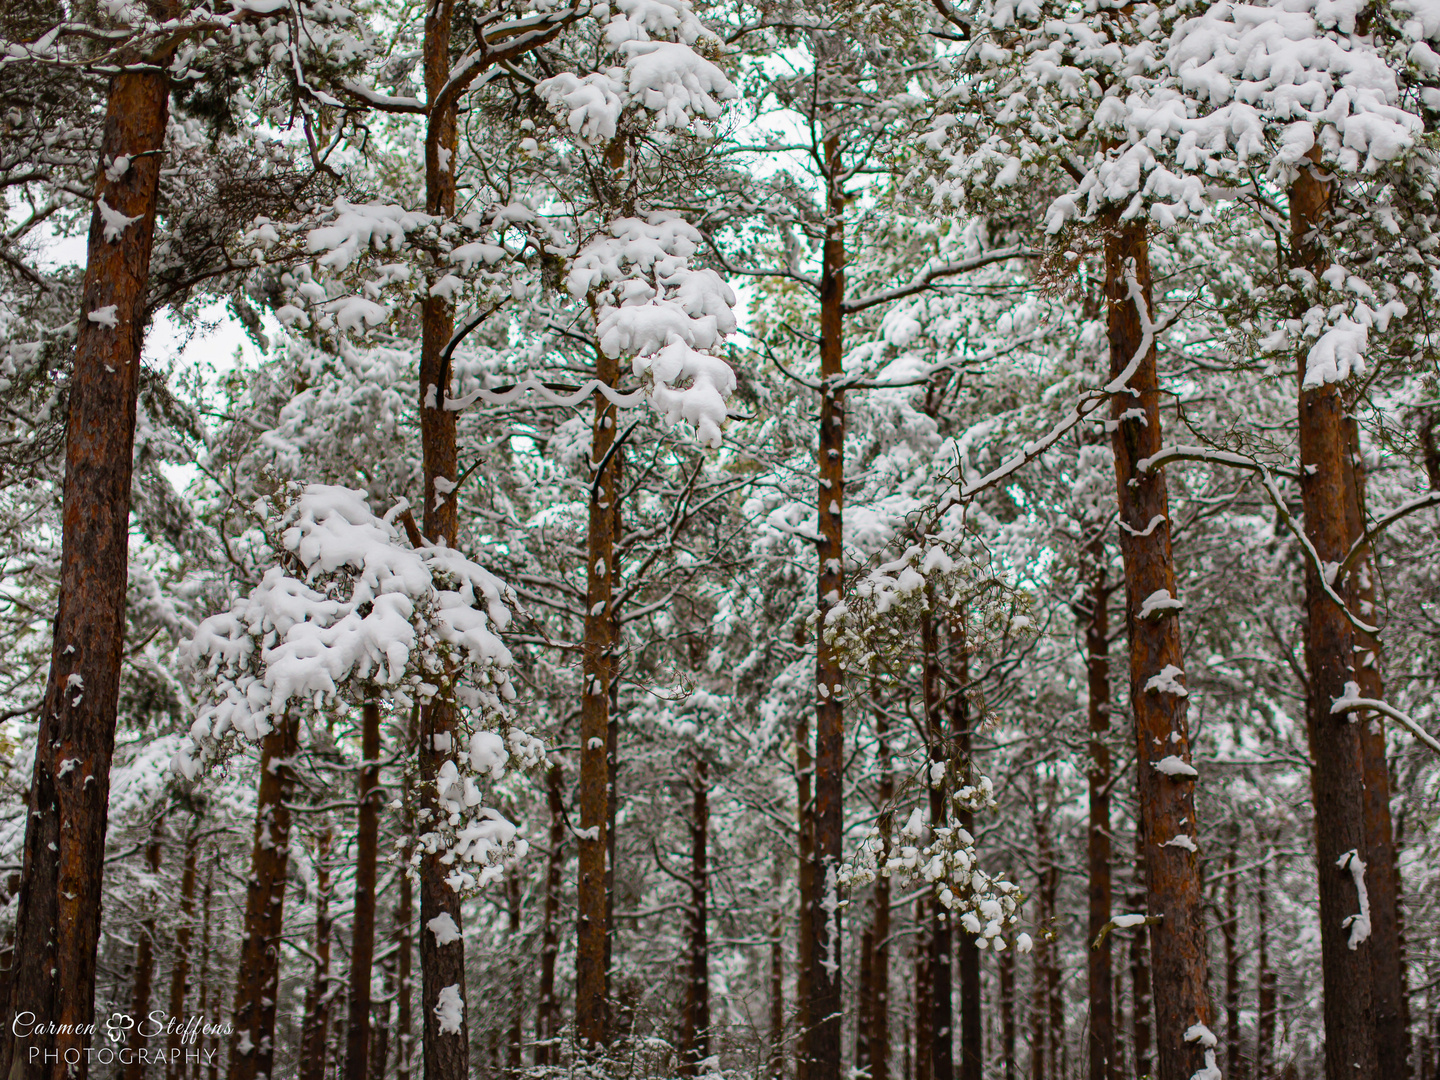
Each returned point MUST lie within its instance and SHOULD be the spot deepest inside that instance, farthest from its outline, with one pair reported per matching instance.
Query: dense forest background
(784, 538)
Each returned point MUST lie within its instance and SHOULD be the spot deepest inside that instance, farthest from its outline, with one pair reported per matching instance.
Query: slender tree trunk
(208, 1044)
(1007, 1015)
(1336, 780)
(316, 1026)
(942, 1065)
(257, 981)
(825, 961)
(1232, 965)
(1056, 1004)
(865, 1003)
(695, 1046)
(144, 957)
(180, 967)
(972, 1037)
(1040, 1039)
(362, 935)
(805, 931)
(924, 1014)
(57, 928)
(1392, 1032)
(777, 974)
(515, 1038)
(378, 1052)
(1141, 1003)
(404, 963)
(1265, 978)
(1101, 966)
(617, 1021)
(880, 1009)
(1167, 797)
(547, 1027)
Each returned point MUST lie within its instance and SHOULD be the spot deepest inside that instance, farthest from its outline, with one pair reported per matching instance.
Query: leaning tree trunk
(180, 968)
(315, 1029)
(1336, 779)
(257, 982)
(57, 928)
(362, 932)
(941, 1002)
(1387, 968)
(547, 1026)
(825, 959)
(695, 1041)
(1165, 780)
(135, 1069)
(1100, 969)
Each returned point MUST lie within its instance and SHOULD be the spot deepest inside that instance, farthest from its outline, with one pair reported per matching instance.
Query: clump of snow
(1359, 924)
(1199, 1033)
(1182, 840)
(106, 316)
(450, 1008)
(1166, 682)
(1160, 601)
(1172, 765)
(1125, 922)
(444, 929)
(115, 222)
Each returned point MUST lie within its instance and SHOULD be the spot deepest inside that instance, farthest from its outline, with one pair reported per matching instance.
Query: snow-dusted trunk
(695, 1037)
(445, 1032)
(880, 970)
(315, 1029)
(1095, 619)
(805, 929)
(257, 980)
(825, 961)
(515, 1037)
(362, 924)
(776, 1067)
(1264, 978)
(1387, 967)
(180, 965)
(865, 1001)
(58, 921)
(135, 1069)
(1141, 1005)
(1336, 779)
(591, 1005)
(1164, 777)
(547, 1027)
(940, 996)
(1040, 956)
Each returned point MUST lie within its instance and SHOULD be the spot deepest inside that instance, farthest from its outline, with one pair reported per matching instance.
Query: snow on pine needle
(349, 613)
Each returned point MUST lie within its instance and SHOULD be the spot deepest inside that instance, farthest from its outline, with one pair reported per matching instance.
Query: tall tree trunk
(1040, 1038)
(57, 927)
(1167, 797)
(1053, 998)
(1229, 930)
(209, 1045)
(695, 1045)
(1336, 779)
(378, 1052)
(972, 1036)
(880, 1009)
(547, 1026)
(362, 934)
(515, 1038)
(1265, 977)
(404, 964)
(825, 960)
(1392, 1032)
(924, 1014)
(805, 930)
(776, 1070)
(1141, 1004)
(591, 1004)
(865, 1002)
(180, 967)
(257, 980)
(617, 1022)
(1007, 1015)
(1095, 618)
(942, 1065)
(144, 957)
(316, 1026)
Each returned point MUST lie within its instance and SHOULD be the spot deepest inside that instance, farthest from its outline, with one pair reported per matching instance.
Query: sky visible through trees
(762, 540)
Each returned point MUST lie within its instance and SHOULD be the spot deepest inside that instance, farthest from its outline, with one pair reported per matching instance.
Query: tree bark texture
(924, 1015)
(547, 1023)
(1006, 964)
(404, 978)
(57, 926)
(362, 932)
(1229, 930)
(315, 1029)
(1167, 798)
(144, 958)
(972, 1033)
(865, 1002)
(1095, 618)
(257, 981)
(180, 965)
(207, 1042)
(1336, 779)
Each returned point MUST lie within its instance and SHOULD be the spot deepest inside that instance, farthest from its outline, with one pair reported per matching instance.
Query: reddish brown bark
(180, 966)
(362, 924)
(257, 981)
(776, 1070)
(1167, 799)
(313, 1042)
(825, 960)
(695, 1037)
(1229, 929)
(1336, 780)
(144, 959)
(58, 920)
(547, 1025)
(1095, 618)
(378, 1055)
